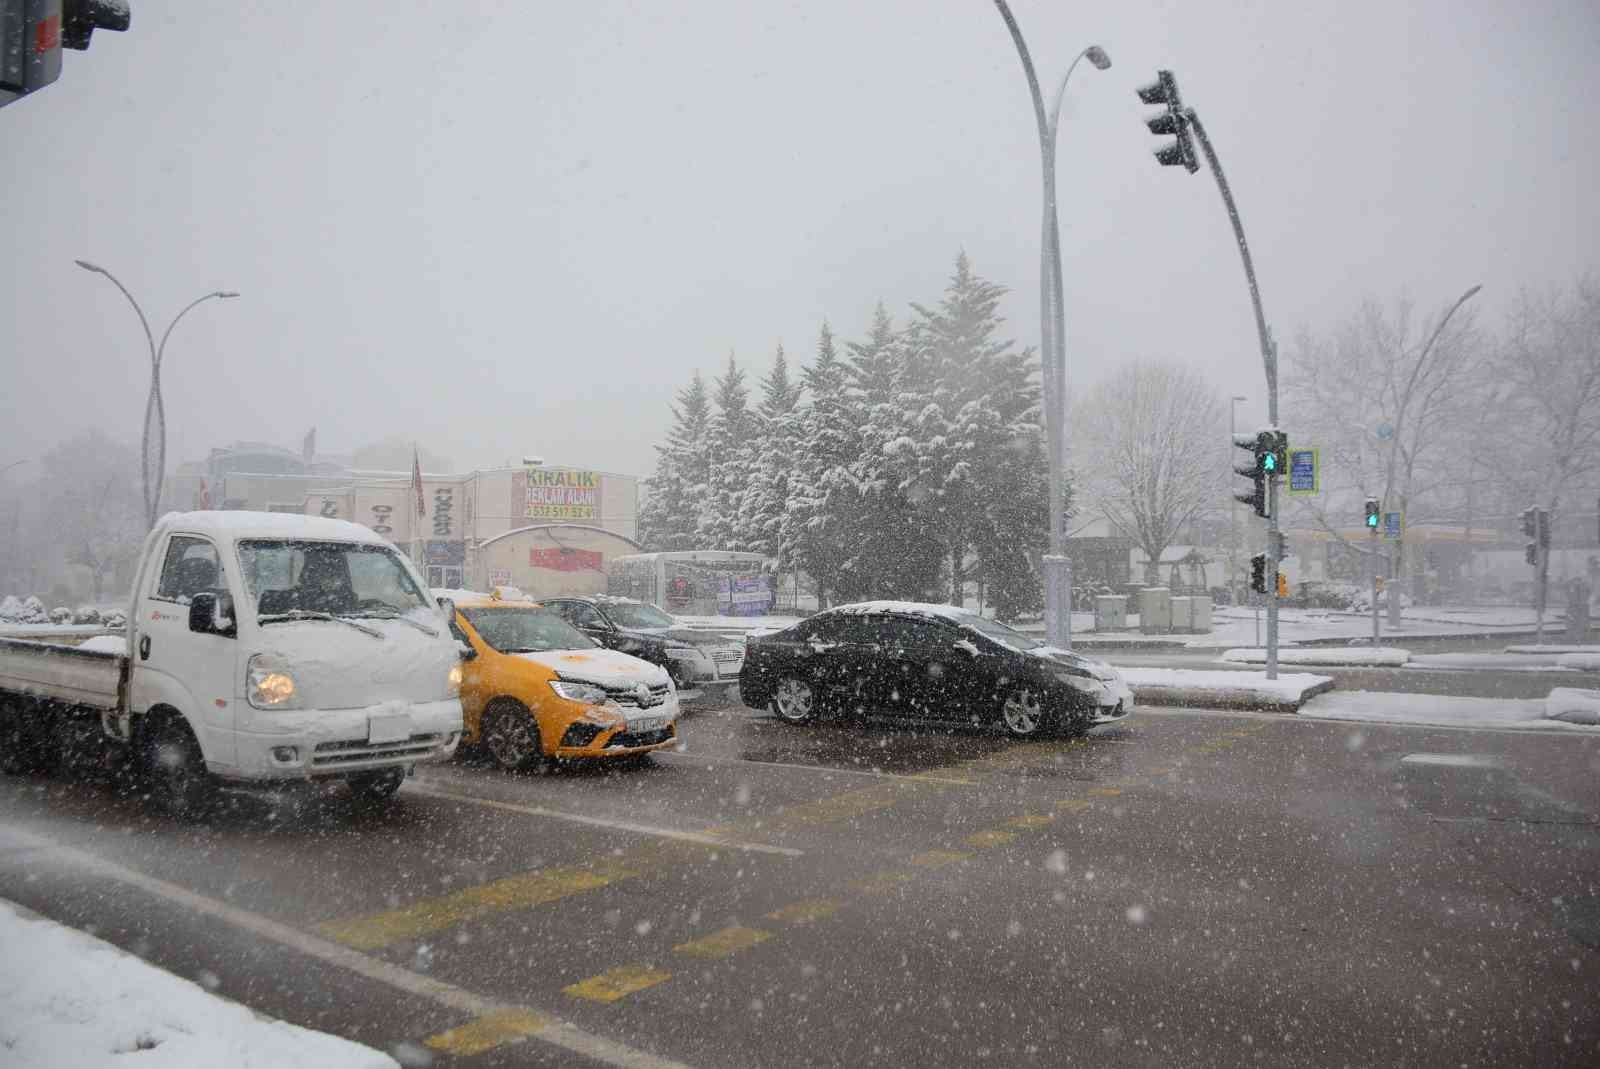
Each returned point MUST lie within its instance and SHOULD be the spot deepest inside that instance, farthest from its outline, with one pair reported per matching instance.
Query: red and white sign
(562, 559)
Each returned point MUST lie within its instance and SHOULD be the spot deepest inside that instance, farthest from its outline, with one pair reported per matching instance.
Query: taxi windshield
(525, 630)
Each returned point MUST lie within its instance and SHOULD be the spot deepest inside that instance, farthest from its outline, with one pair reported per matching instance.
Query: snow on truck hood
(602, 666)
(337, 667)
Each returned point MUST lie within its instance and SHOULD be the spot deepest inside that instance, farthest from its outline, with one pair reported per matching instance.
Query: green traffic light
(1372, 521)
(1270, 462)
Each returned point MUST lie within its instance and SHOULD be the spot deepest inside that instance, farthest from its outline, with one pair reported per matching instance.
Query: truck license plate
(388, 727)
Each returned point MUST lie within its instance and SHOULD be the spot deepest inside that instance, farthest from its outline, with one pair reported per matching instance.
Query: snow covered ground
(1438, 709)
(69, 999)
(1490, 662)
(1332, 656)
(1183, 686)
(1573, 705)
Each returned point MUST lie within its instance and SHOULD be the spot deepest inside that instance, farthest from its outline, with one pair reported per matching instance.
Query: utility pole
(1057, 565)
(1179, 121)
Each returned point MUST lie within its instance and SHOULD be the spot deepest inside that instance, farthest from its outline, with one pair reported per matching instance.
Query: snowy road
(1184, 888)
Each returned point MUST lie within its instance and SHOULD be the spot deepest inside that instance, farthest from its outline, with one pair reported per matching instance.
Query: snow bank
(1385, 656)
(1183, 686)
(68, 999)
(1437, 709)
(1553, 649)
(1487, 662)
(1573, 706)
(1583, 662)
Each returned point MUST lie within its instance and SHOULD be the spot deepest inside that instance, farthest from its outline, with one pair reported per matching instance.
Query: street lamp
(154, 407)
(1233, 504)
(1052, 333)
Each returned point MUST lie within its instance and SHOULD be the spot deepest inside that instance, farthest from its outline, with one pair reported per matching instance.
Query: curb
(1224, 699)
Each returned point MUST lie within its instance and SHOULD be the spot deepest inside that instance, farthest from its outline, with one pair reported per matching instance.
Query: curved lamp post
(155, 408)
(1052, 334)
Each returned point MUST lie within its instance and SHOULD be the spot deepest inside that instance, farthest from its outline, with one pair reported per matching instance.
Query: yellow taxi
(535, 687)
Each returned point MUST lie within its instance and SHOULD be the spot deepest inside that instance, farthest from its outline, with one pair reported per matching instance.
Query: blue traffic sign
(1303, 471)
(1391, 525)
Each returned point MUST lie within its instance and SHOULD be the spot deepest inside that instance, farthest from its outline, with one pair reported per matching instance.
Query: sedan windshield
(336, 578)
(637, 614)
(509, 630)
(998, 631)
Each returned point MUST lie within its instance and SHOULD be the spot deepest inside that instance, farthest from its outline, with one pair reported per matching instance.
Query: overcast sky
(509, 228)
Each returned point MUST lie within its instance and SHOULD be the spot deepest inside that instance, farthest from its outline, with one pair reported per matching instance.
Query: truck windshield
(509, 630)
(339, 578)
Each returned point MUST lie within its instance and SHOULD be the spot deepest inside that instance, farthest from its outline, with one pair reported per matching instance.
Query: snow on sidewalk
(1183, 686)
(1573, 705)
(69, 999)
(1487, 662)
(1331, 656)
(1435, 709)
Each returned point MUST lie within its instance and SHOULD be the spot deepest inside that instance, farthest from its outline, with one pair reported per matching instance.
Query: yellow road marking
(615, 983)
(880, 881)
(1105, 792)
(1032, 820)
(488, 1032)
(1074, 805)
(933, 859)
(805, 911)
(433, 914)
(985, 839)
(721, 944)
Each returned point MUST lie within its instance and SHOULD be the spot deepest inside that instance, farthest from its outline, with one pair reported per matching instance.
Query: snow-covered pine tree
(822, 494)
(730, 460)
(895, 553)
(671, 511)
(774, 428)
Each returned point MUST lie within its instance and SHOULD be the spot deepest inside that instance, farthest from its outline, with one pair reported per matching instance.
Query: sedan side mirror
(967, 646)
(212, 614)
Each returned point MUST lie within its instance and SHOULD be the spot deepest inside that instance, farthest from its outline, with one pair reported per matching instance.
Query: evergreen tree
(730, 463)
(895, 553)
(669, 517)
(822, 492)
(774, 429)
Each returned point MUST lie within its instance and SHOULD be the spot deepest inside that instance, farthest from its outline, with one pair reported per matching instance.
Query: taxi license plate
(649, 723)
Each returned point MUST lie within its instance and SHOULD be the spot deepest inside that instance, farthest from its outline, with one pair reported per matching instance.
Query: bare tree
(1381, 399)
(1151, 449)
(91, 515)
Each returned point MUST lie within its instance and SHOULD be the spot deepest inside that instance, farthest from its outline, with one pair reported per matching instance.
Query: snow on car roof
(905, 608)
(241, 524)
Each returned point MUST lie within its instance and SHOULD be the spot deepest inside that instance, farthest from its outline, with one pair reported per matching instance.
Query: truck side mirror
(447, 607)
(212, 614)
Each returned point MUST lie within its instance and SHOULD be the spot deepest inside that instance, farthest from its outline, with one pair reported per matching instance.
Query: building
(544, 529)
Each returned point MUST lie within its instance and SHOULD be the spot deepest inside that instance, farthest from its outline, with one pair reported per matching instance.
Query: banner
(562, 494)
(563, 559)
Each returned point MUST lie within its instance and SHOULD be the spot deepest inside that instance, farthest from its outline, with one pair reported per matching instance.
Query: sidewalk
(69, 999)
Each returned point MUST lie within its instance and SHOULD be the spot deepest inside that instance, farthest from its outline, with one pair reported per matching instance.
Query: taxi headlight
(574, 691)
(269, 686)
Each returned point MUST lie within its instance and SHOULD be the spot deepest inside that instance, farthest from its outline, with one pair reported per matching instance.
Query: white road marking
(915, 777)
(556, 1032)
(1450, 760)
(603, 822)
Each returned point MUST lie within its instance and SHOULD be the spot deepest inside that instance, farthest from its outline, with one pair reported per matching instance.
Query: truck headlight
(455, 679)
(574, 691)
(269, 686)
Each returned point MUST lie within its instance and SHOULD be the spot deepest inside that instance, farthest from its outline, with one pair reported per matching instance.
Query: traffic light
(1258, 573)
(1262, 460)
(1283, 585)
(33, 33)
(1372, 514)
(1536, 528)
(1172, 122)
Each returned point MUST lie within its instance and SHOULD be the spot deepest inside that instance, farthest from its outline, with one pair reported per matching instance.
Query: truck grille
(355, 751)
(727, 654)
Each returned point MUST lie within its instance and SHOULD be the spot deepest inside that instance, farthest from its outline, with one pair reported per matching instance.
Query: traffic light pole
(1373, 561)
(1269, 360)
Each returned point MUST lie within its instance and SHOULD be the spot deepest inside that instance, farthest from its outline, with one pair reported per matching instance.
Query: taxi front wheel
(511, 736)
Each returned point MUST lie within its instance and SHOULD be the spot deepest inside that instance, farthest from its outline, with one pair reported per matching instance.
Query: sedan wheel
(793, 700)
(511, 737)
(1022, 713)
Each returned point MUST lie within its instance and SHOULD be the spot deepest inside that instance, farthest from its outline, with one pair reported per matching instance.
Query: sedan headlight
(574, 691)
(456, 673)
(269, 686)
(1077, 679)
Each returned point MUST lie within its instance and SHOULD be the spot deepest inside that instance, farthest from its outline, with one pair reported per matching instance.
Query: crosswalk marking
(428, 915)
(805, 911)
(1073, 805)
(615, 983)
(488, 1032)
(983, 840)
(879, 882)
(1031, 821)
(721, 944)
(932, 859)
(1105, 792)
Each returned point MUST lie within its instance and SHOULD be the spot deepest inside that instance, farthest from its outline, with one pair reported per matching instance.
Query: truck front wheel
(19, 749)
(179, 782)
(375, 788)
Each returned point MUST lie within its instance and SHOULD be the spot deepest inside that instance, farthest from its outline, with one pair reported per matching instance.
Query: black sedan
(694, 659)
(930, 662)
